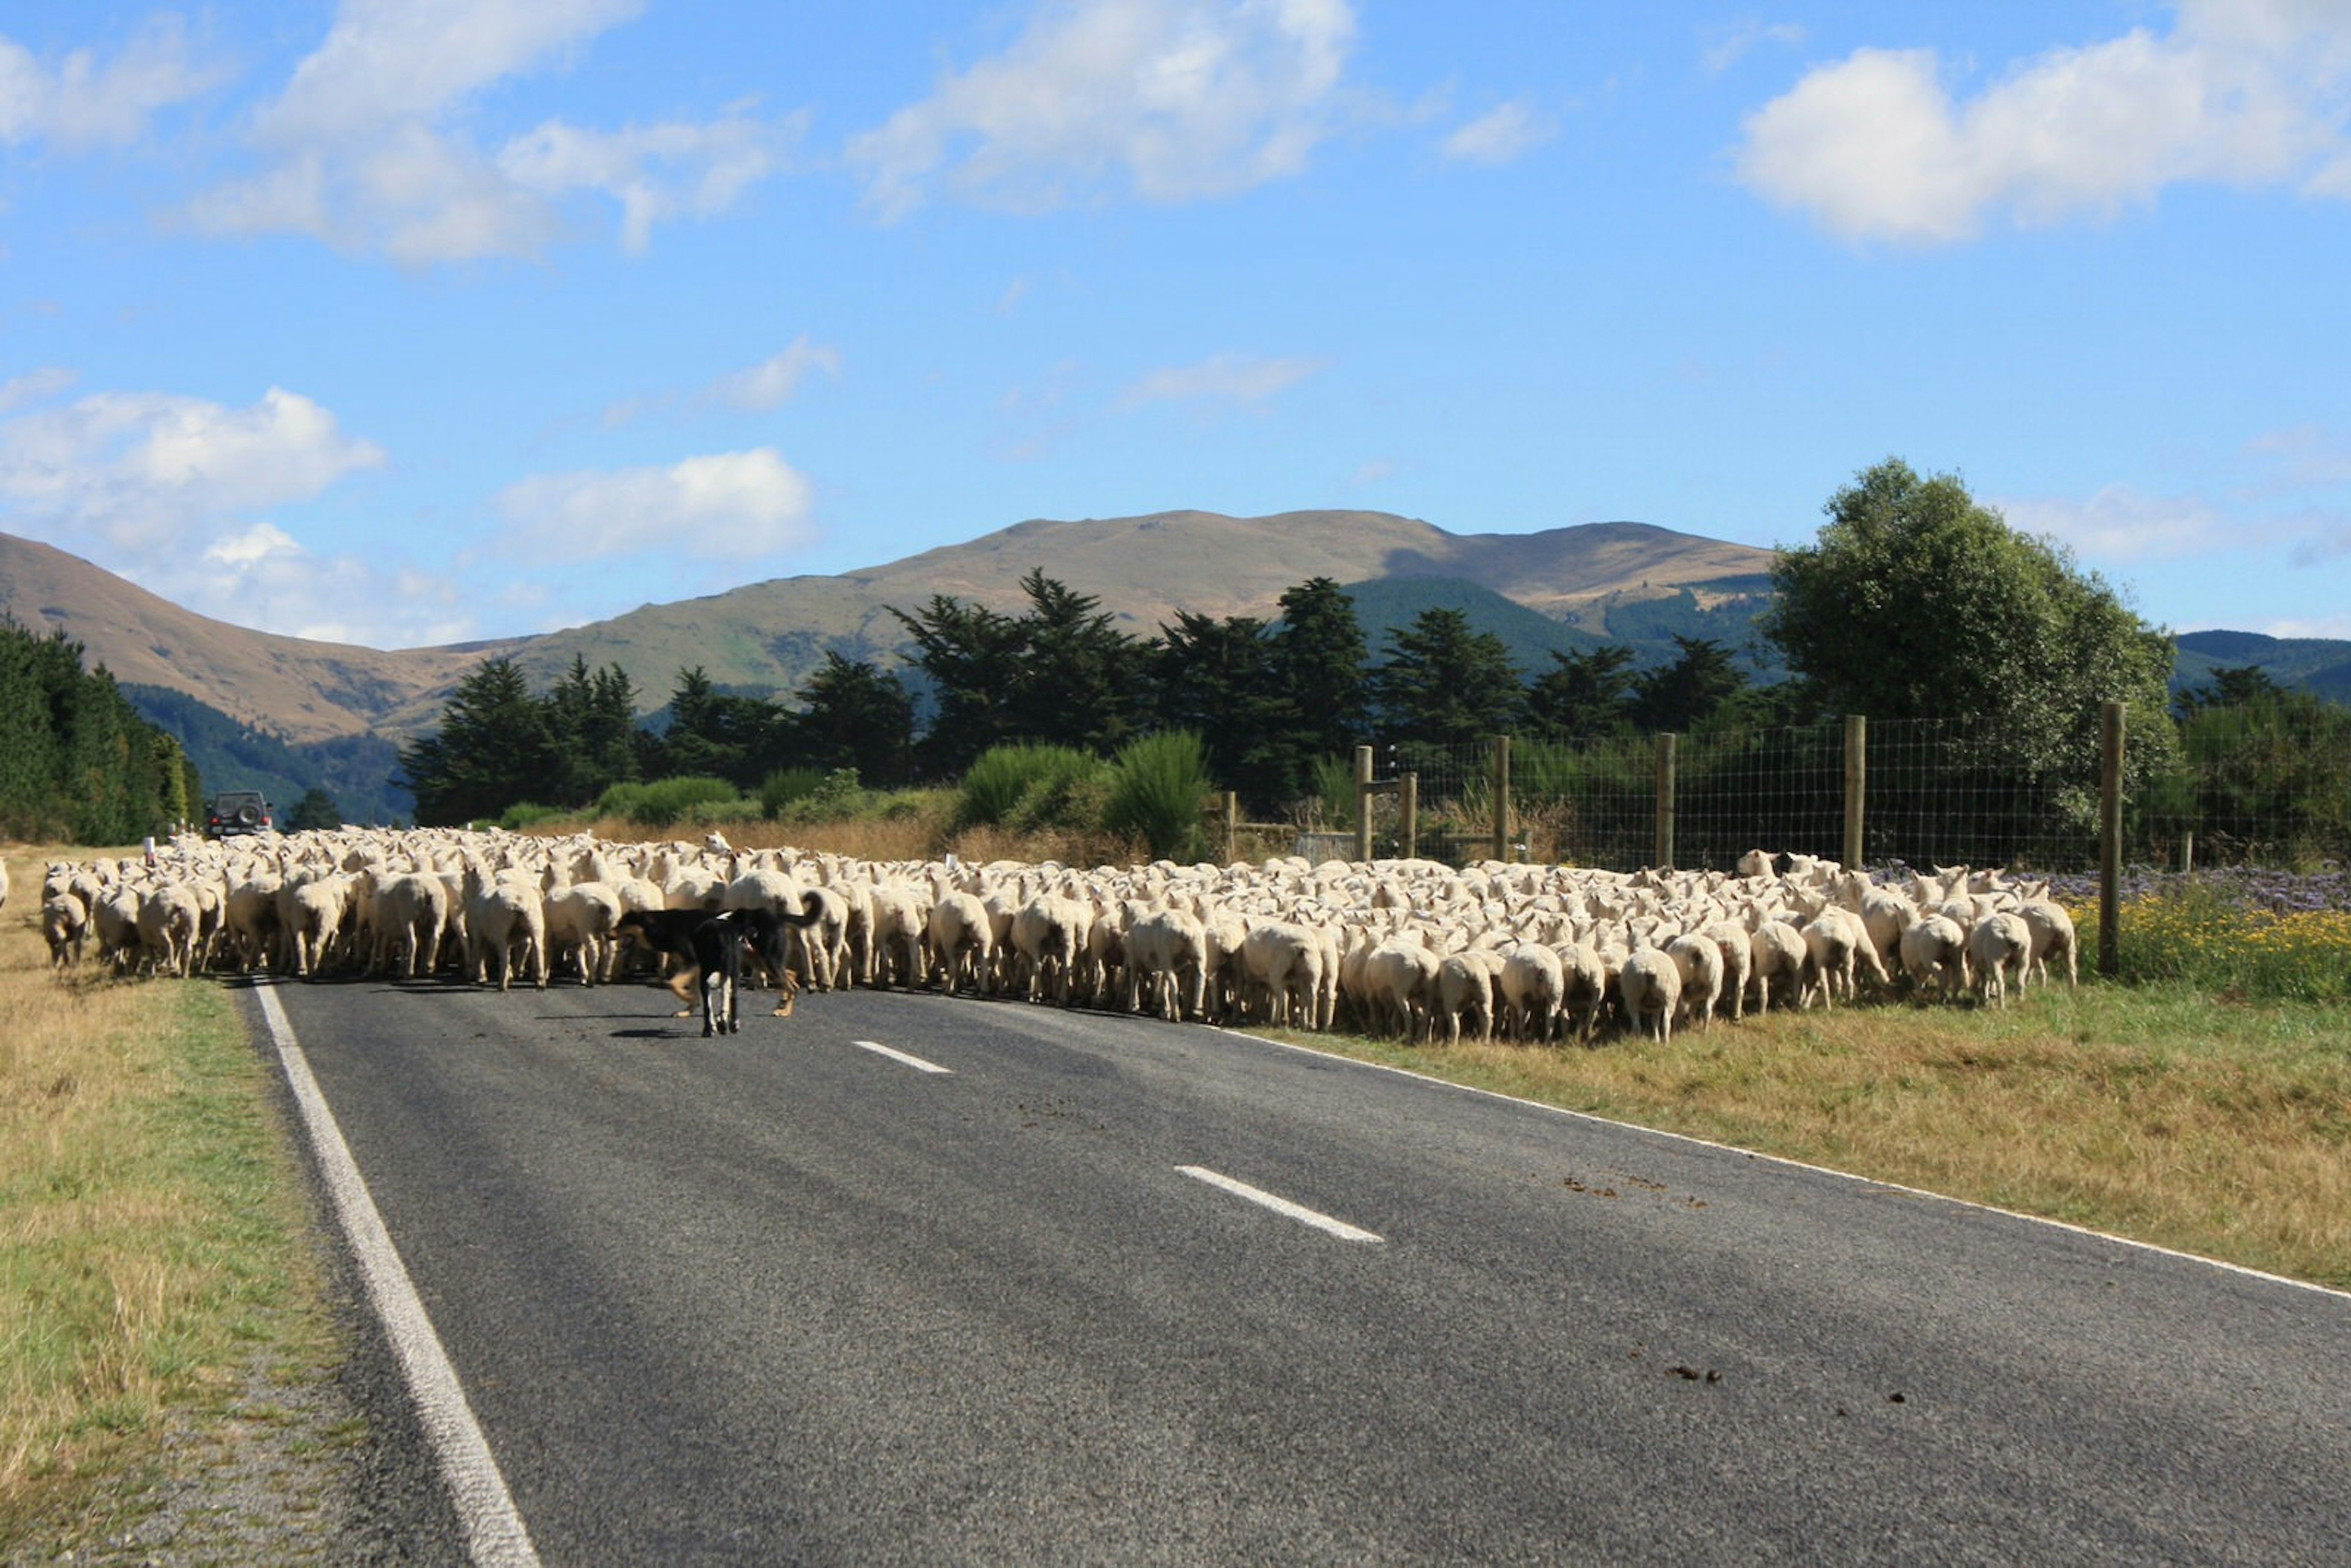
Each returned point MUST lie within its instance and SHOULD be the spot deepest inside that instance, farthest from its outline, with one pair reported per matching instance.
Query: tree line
(78, 764)
(1912, 601)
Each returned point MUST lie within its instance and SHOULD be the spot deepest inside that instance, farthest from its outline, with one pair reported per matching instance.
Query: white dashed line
(1282, 1206)
(916, 1062)
(493, 1526)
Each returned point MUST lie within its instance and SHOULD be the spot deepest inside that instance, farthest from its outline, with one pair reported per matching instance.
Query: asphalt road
(783, 1296)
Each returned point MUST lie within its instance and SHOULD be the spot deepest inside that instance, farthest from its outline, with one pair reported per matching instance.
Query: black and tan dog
(735, 936)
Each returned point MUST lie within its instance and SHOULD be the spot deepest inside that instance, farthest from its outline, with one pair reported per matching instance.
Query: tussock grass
(2153, 1113)
(153, 1244)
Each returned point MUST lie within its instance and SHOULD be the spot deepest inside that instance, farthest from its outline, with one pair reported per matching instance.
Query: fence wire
(2267, 785)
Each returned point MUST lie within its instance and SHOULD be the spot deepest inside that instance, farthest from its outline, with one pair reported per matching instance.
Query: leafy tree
(496, 746)
(967, 650)
(1916, 602)
(1319, 670)
(1445, 685)
(1693, 688)
(2239, 685)
(855, 717)
(1077, 679)
(1214, 679)
(1583, 693)
(316, 809)
(722, 735)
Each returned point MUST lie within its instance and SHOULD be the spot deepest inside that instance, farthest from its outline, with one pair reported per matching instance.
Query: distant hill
(285, 714)
(298, 689)
(771, 635)
(2319, 665)
(341, 712)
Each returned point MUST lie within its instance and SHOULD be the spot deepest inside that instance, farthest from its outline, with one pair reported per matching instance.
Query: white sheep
(1166, 964)
(1650, 986)
(2000, 943)
(1934, 951)
(1699, 962)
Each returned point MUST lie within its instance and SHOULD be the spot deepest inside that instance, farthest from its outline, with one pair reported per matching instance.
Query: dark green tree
(967, 652)
(1446, 684)
(2239, 685)
(1686, 692)
(854, 715)
(1077, 680)
(724, 735)
(494, 747)
(1214, 679)
(1583, 693)
(1319, 663)
(315, 809)
(1916, 602)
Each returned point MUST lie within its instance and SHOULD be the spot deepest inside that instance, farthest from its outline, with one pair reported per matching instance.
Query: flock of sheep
(1527, 953)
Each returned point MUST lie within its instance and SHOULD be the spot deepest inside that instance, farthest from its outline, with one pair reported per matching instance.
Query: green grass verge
(156, 1252)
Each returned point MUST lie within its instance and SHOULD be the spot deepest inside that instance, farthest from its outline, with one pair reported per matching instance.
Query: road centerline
(916, 1062)
(1282, 1205)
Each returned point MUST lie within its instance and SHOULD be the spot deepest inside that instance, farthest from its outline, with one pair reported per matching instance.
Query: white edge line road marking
(494, 1528)
(1875, 1182)
(916, 1062)
(1304, 1215)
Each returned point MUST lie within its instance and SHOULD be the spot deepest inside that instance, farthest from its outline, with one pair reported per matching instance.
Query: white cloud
(2244, 92)
(143, 470)
(1501, 135)
(1722, 48)
(2305, 456)
(657, 173)
(84, 102)
(168, 491)
(2119, 524)
(773, 382)
(366, 148)
(1177, 100)
(729, 506)
(770, 383)
(35, 386)
(264, 578)
(1224, 378)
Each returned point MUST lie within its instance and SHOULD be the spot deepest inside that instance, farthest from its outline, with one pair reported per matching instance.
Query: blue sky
(415, 322)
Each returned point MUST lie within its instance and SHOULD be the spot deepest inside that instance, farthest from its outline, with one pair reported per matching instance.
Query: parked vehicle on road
(237, 811)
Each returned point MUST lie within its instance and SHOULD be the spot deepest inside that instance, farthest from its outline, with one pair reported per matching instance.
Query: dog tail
(811, 911)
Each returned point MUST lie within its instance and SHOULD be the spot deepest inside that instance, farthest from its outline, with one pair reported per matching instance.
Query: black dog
(759, 934)
(718, 959)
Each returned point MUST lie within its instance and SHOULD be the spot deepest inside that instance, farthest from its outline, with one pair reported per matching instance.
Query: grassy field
(153, 1226)
(2152, 1112)
(156, 1264)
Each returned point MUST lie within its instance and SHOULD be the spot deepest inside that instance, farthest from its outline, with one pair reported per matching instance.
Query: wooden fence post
(2110, 839)
(1362, 803)
(1232, 827)
(1501, 796)
(1856, 785)
(1408, 811)
(1666, 801)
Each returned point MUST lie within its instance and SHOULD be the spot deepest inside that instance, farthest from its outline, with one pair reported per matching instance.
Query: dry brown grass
(151, 1224)
(2148, 1114)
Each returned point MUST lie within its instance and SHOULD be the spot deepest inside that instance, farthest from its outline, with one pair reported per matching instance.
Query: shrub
(997, 788)
(663, 801)
(1335, 791)
(523, 814)
(786, 787)
(1158, 782)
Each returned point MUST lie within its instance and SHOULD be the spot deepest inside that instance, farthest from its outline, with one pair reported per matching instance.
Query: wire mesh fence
(2267, 785)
